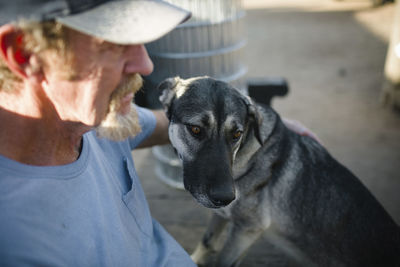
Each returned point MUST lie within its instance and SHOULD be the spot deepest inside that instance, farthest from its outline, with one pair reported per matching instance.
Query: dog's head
(209, 120)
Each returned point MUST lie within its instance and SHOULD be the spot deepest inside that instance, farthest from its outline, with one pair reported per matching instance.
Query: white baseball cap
(116, 21)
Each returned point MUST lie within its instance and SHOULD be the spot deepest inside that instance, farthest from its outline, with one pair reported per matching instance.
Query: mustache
(131, 84)
(115, 126)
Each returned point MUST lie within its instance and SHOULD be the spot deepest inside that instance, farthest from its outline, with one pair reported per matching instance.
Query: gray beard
(117, 127)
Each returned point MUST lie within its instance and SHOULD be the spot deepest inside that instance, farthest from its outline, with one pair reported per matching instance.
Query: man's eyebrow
(103, 45)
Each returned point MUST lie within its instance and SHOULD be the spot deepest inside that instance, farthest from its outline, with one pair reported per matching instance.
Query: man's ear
(168, 93)
(13, 52)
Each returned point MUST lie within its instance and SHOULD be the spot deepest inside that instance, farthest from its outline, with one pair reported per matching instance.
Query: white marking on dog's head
(234, 153)
(205, 119)
(182, 140)
(182, 85)
(231, 124)
(230, 121)
(178, 136)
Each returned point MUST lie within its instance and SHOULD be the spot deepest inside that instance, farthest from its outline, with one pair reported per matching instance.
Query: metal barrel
(209, 44)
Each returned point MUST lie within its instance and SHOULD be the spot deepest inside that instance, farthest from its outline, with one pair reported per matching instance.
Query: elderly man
(69, 192)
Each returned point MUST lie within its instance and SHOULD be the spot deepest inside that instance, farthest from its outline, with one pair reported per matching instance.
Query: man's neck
(33, 134)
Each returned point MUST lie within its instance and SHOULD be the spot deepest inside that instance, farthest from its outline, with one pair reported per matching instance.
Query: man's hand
(300, 129)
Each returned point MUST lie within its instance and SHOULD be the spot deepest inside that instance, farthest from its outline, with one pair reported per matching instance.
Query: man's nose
(138, 61)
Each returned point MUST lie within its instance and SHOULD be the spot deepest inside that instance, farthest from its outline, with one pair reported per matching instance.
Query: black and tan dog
(239, 158)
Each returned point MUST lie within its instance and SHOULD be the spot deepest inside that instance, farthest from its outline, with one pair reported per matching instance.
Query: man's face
(99, 89)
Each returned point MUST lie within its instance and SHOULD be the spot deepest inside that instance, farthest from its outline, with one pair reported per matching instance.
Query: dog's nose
(221, 196)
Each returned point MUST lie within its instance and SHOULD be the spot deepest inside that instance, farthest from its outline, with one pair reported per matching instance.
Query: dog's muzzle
(215, 196)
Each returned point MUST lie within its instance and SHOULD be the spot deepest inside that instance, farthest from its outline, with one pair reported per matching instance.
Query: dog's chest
(249, 210)
(235, 209)
(225, 212)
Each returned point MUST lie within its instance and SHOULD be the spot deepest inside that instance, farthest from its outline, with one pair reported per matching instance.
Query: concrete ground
(332, 54)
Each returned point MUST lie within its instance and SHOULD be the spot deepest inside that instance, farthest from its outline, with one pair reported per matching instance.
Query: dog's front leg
(205, 250)
(239, 239)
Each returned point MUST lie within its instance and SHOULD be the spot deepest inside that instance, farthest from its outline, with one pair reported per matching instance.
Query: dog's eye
(195, 130)
(237, 135)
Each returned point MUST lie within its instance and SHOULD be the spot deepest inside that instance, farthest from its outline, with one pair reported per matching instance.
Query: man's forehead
(82, 41)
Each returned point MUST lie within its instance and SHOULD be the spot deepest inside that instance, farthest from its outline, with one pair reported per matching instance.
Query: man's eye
(237, 135)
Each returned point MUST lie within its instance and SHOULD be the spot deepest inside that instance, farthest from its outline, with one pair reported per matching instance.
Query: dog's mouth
(208, 201)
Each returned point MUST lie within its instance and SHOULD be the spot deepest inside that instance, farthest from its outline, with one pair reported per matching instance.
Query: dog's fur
(271, 178)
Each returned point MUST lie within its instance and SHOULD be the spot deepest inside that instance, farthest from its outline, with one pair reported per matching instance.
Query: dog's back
(322, 208)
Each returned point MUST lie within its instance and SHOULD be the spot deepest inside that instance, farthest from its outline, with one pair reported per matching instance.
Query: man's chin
(117, 127)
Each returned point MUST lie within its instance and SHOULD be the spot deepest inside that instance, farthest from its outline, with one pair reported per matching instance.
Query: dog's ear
(255, 117)
(168, 93)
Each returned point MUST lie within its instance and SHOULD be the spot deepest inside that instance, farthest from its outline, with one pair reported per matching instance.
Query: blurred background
(332, 55)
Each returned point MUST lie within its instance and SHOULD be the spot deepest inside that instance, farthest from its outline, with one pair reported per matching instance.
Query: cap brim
(128, 22)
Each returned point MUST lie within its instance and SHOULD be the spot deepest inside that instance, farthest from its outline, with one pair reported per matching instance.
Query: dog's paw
(204, 257)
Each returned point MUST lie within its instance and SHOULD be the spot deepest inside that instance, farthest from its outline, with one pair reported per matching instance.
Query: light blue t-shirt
(92, 212)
